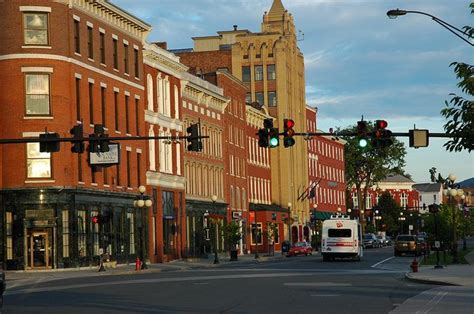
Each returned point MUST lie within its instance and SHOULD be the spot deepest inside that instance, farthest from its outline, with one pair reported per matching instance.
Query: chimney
(235, 27)
(162, 44)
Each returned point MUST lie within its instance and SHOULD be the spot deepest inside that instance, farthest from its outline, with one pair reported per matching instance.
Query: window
(117, 174)
(102, 48)
(36, 28)
(127, 114)
(77, 37)
(271, 74)
(245, 74)
(105, 175)
(339, 233)
(137, 115)
(131, 224)
(248, 98)
(115, 42)
(259, 98)
(136, 61)
(259, 73)
(258, 233)
(272, 101)
(129, 165)
(81, 233)
(37, 94)
(103, 104)
(125, 58)
(116, 111)
(9, 234)
(91, 103)
(90, 43)
(38, 164)
(139, 168)
(78, 99)
(94, 228)
(79, 167)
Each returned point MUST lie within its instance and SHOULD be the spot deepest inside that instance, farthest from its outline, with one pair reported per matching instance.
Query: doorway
(39, 249)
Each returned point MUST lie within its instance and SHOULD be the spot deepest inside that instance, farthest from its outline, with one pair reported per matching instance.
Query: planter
(233, 255)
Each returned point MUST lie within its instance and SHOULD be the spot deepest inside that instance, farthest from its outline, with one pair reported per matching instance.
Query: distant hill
(468, 183)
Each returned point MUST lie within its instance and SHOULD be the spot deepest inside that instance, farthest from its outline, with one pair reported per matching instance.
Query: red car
(300, 248)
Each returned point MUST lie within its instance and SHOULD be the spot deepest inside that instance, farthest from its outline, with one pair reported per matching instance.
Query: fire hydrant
(138, 264)
(414, 265)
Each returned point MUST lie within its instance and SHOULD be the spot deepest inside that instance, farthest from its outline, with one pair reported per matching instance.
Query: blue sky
(358, 62)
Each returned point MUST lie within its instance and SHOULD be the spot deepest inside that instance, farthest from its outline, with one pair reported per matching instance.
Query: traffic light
(96, 220)
(103, 138)
(288, 132)
(77, 133)
(362, 133)
(50, 146)
(274, 140)
(382, 137)
(263, 138)
(195, 144)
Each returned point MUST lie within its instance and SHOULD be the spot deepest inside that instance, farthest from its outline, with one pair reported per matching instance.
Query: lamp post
(465, 215)
(205, 224)
(393, 14)
(377, 218)
(349, 211)
(142, 202)
(401, 219)
(216, 257)
(289, 223)
(451, 192)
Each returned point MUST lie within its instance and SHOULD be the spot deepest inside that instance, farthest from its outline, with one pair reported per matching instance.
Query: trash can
(285, 247)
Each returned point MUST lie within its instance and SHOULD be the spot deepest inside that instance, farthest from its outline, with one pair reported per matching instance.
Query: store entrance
(39, 248)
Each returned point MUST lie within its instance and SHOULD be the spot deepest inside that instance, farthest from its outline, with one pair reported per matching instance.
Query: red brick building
(165, 162)
(326, 189)
(71, 63)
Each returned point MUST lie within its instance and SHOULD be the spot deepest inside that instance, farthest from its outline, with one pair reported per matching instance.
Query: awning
(323, 215)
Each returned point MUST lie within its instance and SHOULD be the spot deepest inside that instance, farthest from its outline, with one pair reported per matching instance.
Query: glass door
(38, 250)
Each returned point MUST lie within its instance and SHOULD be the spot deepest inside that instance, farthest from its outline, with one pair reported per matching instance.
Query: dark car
(407, 243)
(424, 246)
(300, 248)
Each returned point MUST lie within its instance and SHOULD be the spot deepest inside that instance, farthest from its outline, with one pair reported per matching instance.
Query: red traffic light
(381, 124)
(288, 123)
(95, 219)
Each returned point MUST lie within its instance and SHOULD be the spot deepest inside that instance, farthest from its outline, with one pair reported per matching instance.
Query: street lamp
(349, 211)
(393, 14)
(401, 219)
(451, 191)
(377, 218)
(216, 258)
(142, 202)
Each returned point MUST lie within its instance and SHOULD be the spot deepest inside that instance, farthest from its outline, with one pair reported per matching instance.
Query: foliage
(390, 211)
(367, 166)
(232, 234)
(459, 111)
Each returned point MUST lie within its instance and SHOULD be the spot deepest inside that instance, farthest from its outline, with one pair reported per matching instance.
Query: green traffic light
(274, 142)
(363, 142)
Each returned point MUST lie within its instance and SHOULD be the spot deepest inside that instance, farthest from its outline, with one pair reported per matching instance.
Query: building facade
(72, 62)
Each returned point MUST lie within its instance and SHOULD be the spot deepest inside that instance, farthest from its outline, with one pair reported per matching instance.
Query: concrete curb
(409, 276)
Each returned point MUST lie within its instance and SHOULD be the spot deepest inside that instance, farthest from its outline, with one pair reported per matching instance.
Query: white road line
(317, 284)
(381, 262)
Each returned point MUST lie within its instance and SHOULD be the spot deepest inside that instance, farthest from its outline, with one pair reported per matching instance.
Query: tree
(459, 111)
(232, 235)
(390, 211)
(367, 166)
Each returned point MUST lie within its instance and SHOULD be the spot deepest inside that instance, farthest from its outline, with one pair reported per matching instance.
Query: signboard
(236, 215)
(437, 244)
(410, 227)
(112, 157)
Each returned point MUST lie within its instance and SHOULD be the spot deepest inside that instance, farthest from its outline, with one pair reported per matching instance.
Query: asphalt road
(302, 284)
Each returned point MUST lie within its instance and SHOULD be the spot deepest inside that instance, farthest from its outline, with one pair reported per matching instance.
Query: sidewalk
(16, 278)
(455, 275)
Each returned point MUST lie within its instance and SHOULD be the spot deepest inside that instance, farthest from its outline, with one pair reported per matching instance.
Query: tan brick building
(66, 63)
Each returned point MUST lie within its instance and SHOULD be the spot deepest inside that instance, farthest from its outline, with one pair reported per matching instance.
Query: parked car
(370, 240)
(389, 240)
(381, 240)
(424, 245)
(300, 248)
(406, 243)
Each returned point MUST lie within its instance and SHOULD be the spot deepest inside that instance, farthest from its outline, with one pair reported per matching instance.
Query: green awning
(323, 215)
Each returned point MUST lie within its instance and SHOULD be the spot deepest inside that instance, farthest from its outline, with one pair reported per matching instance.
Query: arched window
(159, 94)
(152, 149)
(149, 86)
(176, 102)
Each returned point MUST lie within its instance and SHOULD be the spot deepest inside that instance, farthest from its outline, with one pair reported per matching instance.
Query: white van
(341, 237)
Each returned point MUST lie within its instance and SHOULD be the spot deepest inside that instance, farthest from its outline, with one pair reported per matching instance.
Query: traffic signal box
(288, 132)
(77, 133)
(362, 133)
(382, 137)
(101, 144)
(195, 143)
(50, 146)
(268, 135)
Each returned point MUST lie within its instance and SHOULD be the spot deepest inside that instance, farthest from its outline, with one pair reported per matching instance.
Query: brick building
(164, 169)
(71, 62)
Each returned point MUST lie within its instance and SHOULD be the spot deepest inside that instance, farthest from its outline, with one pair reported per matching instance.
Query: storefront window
(81, 233)
(131, 222)
(65, 220)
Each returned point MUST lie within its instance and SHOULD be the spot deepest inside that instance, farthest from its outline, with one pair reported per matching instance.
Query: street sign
(410, 227)
(112, 157)
(437, 244)
(418, 138)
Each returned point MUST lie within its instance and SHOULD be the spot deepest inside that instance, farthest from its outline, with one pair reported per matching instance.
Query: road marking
(200, 283)
(381, 262)
(317, 284)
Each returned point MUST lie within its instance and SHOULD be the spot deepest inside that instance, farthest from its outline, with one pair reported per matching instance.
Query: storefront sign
(39, 213)
(111, 157)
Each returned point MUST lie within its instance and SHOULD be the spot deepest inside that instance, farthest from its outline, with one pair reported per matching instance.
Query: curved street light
(393, 14)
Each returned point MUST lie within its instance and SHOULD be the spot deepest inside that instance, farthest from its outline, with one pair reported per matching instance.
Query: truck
(341, 237)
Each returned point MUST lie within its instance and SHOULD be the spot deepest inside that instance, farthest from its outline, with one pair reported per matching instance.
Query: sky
(358, 62)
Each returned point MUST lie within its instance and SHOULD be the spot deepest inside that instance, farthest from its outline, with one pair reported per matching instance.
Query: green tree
(367, 166)
(459, 111)
(390, 211)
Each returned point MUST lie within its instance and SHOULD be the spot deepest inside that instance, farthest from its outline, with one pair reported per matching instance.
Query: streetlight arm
(453, 29)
